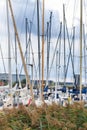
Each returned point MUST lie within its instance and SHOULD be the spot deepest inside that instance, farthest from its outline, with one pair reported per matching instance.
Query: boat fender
(29, 102)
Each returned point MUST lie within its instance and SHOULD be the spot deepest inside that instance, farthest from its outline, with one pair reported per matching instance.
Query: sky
(27, 8)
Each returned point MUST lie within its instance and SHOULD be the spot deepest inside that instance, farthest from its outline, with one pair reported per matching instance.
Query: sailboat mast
(48, 44)
(81, 9)
(42, 48)
(47, 53)
(56, 85)
(73, 47)
(64, 43)
(59, 57)
(26, 23)
(84, 52)
(27, 46)
(9, 50)
(16, 57)
(38, 32)
(21, 53)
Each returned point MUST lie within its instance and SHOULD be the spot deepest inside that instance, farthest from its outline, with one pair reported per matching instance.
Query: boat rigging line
(21, 53)
(30, 30)
(29, 44)
(59, 36)
(70, 54)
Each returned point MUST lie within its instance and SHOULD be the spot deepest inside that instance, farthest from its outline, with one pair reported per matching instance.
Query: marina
(49, 72)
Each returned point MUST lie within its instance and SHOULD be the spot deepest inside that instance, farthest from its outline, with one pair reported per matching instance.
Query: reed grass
(52, 117)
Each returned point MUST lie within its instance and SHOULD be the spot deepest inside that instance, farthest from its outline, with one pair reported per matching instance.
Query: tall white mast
(64, 44)
(81, 9)
(39, 58)
(9, 49)
(56, 85)
(42, 48)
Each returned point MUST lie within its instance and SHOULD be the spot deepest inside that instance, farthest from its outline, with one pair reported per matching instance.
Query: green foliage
(23, 81)
(52, 117)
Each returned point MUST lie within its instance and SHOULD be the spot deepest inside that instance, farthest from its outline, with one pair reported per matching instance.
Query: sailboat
(22, 94)
(8, 100)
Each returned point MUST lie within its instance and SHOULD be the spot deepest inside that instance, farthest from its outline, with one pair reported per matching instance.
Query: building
(4, 76)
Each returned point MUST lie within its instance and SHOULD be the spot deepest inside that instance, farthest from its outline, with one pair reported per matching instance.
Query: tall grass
(53, 117)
